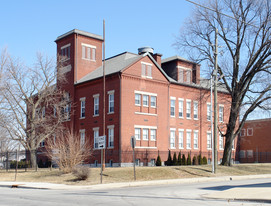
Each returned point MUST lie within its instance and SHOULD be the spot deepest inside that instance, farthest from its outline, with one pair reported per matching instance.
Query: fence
(249, 156)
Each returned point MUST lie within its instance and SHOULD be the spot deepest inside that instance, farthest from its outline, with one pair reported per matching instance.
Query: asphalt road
(178, 194)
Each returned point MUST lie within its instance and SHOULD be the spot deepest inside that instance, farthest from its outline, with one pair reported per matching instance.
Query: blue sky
(31, 26)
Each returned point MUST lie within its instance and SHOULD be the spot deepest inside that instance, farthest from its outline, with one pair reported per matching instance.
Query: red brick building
(163, 103)
(255, 141)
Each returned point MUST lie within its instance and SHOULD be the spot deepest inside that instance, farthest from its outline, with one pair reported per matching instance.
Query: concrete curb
(41, 185)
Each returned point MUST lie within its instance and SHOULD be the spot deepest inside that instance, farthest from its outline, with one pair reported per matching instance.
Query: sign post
(101, 145)
(133, 143)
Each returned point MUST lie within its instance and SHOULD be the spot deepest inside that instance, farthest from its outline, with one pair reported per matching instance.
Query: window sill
(181, 117)
(153, 140)
(110, 113)
(110, 147)
(188, 118)
(209, 148)
(188, 148)
(96, 115)
(91, 60)
(196, 119)
(138, 105)
(173, 148)
(181, 148)
(82, 117)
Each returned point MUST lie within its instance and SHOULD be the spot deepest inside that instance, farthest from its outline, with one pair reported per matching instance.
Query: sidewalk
(247, 193)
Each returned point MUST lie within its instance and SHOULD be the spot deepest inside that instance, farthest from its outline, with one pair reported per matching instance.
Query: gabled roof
(169, 59)
(113, 65)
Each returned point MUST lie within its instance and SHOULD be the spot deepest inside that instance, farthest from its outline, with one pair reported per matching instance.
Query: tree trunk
(33, 158)
(226, 161)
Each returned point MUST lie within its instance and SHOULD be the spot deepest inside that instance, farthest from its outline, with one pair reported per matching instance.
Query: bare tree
(244, 39)
(67, 150)
(31, 107)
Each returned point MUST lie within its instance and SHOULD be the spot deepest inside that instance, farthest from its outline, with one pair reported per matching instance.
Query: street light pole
(215, 105)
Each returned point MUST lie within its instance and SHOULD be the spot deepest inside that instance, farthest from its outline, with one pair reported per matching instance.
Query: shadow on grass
(194, 173)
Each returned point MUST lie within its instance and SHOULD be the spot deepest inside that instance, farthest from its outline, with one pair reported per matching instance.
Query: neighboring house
(255, 141)
(163, 103)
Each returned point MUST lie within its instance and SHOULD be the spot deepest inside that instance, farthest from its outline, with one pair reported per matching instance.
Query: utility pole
(215, 105)
(212, 126)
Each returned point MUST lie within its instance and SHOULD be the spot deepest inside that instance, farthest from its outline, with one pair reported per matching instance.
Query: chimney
(157, 58)
(145, 49)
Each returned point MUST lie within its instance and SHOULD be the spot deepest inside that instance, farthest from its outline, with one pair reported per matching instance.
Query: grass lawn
(111, 175)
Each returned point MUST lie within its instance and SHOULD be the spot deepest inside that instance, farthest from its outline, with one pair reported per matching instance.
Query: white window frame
(196, 139)
(137, 95)
(221, 142)
(181, 138)
(188, 109)
(153, 101)
(146, 70)
(209, 138)
(172, 106)
(180, 74)
(111, 102)
(88, 52)
(188, 138)
(209, 113)
(196, 110)
(145, 134)
(96, 104)
(188, 76)
(221, 113)
(82, 137)
(110, 130)
(144, 102)
(172, 138)
(63, 50)
(248, 133)
(137, 134)
(181, 108)
(83, 107)
(95, 136)
(153, 134)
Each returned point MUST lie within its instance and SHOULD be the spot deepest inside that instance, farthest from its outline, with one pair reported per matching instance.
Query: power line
(208, 8)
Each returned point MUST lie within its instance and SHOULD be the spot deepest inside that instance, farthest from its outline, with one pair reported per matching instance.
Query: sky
(32, 26)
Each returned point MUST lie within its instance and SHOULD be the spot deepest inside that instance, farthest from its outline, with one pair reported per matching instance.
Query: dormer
(79, 53)
(181, 70)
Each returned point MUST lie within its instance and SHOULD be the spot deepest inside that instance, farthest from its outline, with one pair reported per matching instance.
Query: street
(178, 194)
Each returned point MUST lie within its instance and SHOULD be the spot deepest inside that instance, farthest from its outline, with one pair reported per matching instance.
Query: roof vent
(146, 49)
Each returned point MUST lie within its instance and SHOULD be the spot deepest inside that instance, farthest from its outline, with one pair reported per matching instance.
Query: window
(196, 139)
(82, 137)
(96, 104)
(146, 70)
(221, 113)
(209, 140)
(43, 112)
(96, 136)
(42, 144)
(138, 99)
(181, 146)
(221, 143)
(250, 132)
(145, 134)
(196, 110)
(65, 52)
(153, 101)
(209, 111)
(188, 109)
(153, 134)
(243, 133)
(54, 111)
(88, 52)
(181, 108)
(111, 101)
(137, 133)
(188, 76)
(111, 136)
(145, 100)
(180, 75)
(66, 111)
(188, 139)
(172, 138)
(83, 107)
(172, 107)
